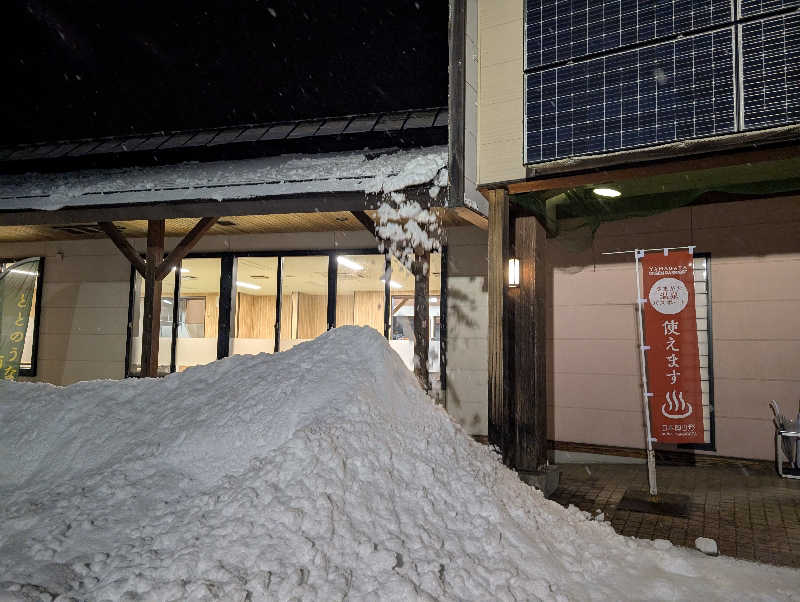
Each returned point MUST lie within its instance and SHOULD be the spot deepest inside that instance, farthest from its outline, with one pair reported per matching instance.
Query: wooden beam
(421, 270)
(123, 245)
(476, 219)
(456, 100)
(186, 245)
(366, 221)
(530, 347)
(663, 166)
(118, 210)
(497, 281)
(151, 319)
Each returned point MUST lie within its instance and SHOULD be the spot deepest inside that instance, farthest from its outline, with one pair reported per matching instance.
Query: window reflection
(360, 291)
(401, 335)
(198, 313)
(165, 326)
(304, 311)
(256, 305)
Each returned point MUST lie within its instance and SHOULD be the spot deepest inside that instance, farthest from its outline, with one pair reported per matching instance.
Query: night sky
(95, 68)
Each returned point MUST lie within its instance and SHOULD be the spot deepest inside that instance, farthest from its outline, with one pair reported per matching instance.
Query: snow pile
(374, 172)
(319, 473)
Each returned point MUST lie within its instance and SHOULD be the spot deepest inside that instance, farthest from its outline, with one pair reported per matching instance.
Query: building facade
(691, 113)
(694, 121)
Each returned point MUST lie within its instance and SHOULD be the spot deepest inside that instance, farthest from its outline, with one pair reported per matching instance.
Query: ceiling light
(167, 301)
(183, 270)
(349, 263)
(392, 283)
(247, 285)
(26, 272)
(434, 299)
(609, 192)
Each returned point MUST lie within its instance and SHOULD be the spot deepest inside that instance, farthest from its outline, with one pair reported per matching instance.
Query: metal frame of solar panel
(609, 75)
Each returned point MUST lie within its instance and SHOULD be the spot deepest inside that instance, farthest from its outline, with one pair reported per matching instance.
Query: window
(165, 327)
(27, 366)
(198, 313)
(296, 295)
(702, 293)
(305, 299)
(257, 306)
(401, 335)
(361, 291)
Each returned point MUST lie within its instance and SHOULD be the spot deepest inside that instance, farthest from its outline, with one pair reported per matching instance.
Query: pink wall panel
(595, 391)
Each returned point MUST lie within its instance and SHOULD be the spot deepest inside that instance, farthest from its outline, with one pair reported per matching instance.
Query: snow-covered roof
(371, 172)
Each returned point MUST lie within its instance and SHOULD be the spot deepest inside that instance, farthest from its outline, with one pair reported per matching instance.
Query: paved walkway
(751, 512)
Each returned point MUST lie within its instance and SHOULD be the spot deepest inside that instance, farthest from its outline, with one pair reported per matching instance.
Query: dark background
(97, 68)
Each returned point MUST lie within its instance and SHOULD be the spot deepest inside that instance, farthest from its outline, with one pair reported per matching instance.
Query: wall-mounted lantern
(513, 272)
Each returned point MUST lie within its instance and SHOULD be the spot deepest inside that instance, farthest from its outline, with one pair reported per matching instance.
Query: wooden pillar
(151, 324)
(530, 347)
(499, 428)
(153, 270)
(421, 269)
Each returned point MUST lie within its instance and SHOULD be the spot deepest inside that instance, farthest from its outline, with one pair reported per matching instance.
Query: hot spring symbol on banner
(17, 285)
(673, 356)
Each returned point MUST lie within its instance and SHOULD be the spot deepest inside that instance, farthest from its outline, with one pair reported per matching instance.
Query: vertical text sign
(673, 360)
(17, 285)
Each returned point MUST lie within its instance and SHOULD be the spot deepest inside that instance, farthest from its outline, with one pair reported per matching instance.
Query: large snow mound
(323, 472)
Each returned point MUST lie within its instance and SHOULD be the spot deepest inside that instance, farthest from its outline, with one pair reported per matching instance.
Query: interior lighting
(26, 272)
(513, 272)
(607, 192)
(392, 283)
(247, 285)
(183, 270)
(349, 263)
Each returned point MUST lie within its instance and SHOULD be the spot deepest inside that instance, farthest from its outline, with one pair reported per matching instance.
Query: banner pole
(651, 458)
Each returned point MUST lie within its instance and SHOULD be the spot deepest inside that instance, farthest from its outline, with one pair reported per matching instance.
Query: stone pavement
(751, 512)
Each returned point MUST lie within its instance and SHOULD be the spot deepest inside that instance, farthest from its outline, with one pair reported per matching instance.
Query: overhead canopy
(373, 172)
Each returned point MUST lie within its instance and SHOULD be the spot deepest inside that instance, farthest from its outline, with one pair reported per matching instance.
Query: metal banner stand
(651, 456)
(646, 394)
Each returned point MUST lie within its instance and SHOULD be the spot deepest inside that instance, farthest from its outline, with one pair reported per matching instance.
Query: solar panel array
(608, 75)
(560, 30)
(669, 91)
(771, 71)
(748, 8)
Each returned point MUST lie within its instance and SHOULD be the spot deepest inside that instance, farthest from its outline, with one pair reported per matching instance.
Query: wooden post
(530, 375)
(153, 270)
(151, 325)
(421, 269)
(499, 428)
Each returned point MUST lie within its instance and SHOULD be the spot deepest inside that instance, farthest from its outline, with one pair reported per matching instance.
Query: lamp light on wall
(513, 272)
(607, 191)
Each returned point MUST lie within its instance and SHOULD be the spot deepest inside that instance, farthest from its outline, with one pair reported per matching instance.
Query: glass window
(401, 336)
(360, 290)
(198, 313)
(304, 312)
(256, 305)
(26, 367)
(165, 329)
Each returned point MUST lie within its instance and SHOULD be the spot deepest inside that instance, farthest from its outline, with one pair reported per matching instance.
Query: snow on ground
(319, 473)
(374, 172)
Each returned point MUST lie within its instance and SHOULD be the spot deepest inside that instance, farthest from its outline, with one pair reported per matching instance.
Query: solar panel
(655, 94)
(748, 8)
(771, 72)
(561, 30)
